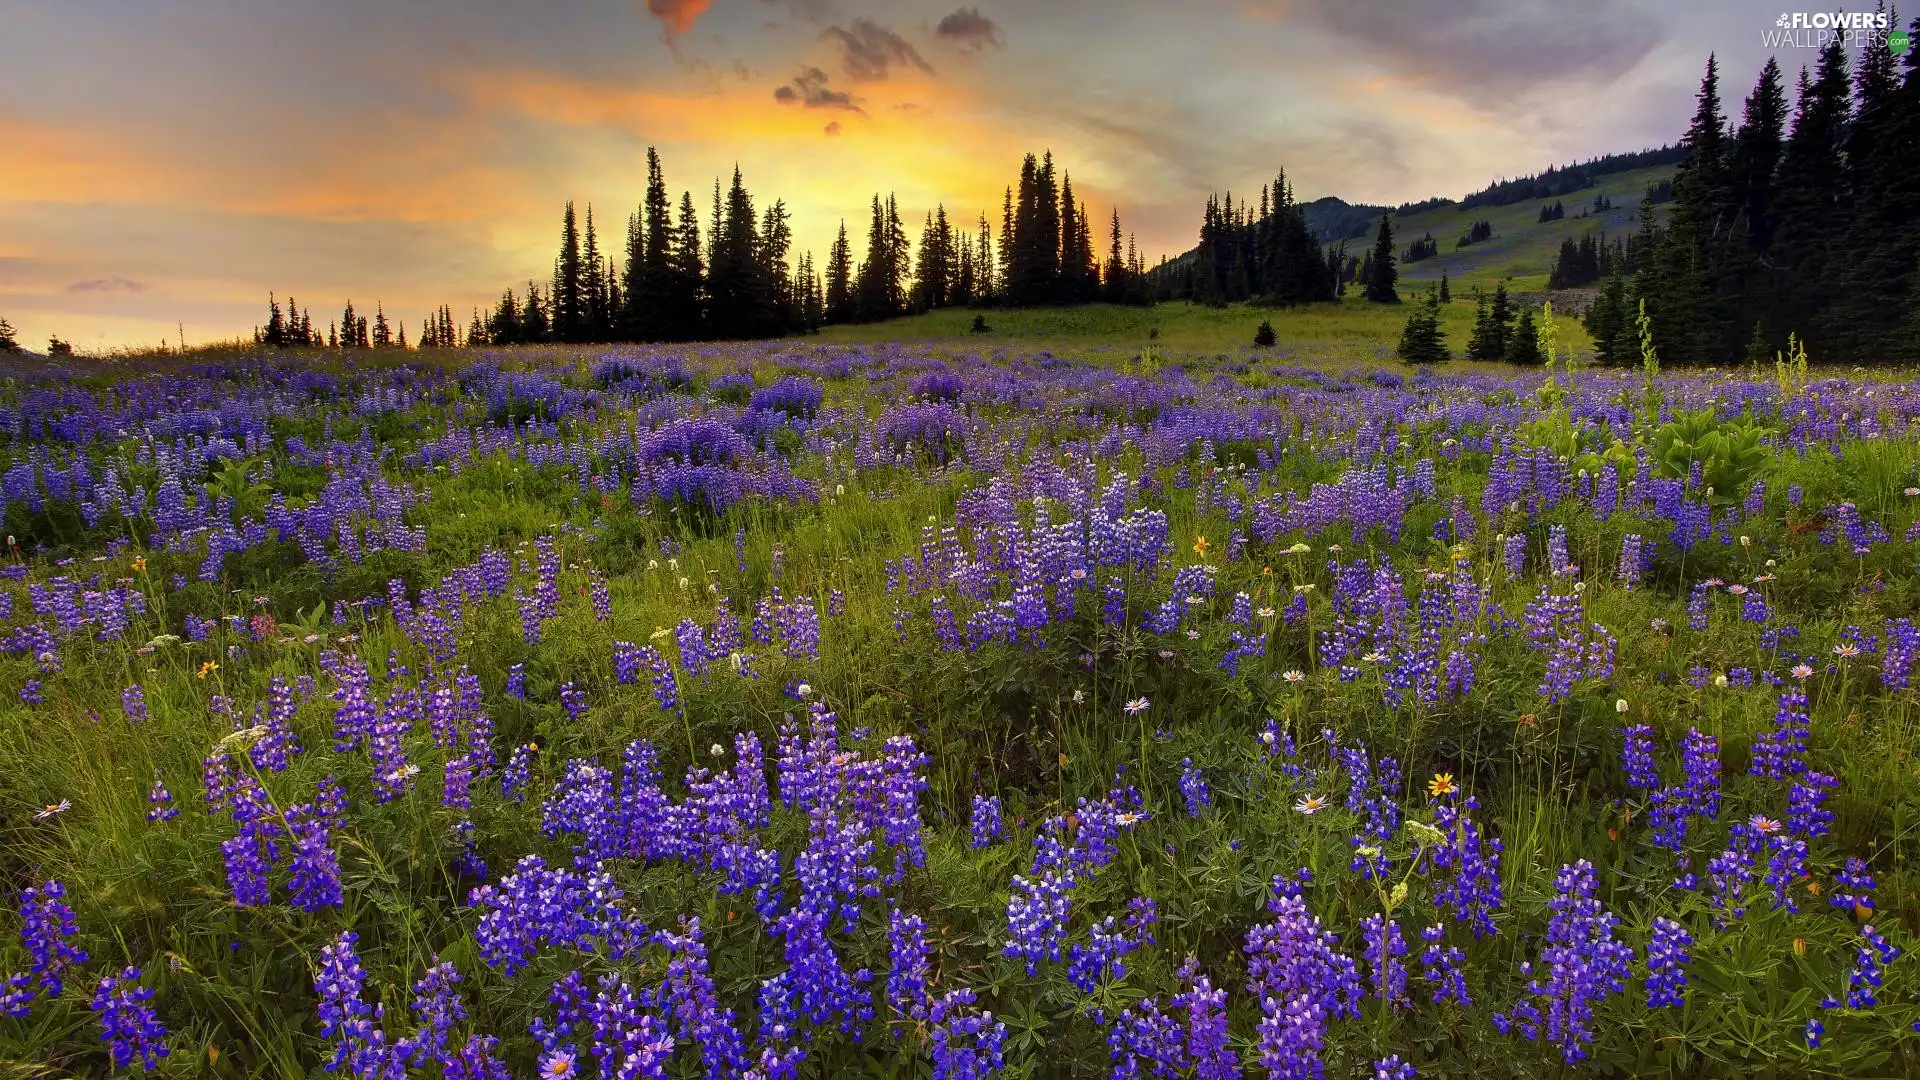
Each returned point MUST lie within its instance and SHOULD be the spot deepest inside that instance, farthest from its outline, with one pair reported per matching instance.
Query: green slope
(1522, 247)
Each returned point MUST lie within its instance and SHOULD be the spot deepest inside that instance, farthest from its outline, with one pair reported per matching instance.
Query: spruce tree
(1381, 273)
(1422, 341)
(1687, 324)
(382, 333)
(839, 298)
(569, 310)
(1482, 344)
(1810, 234)
(593, 287)
(1446, 293)
(1609, 321)
(9, 338)
(1523, 343)
(348, 321)
(276, 333)
(1866, 321)
(682, 306)
(871, 300)
(628, 324)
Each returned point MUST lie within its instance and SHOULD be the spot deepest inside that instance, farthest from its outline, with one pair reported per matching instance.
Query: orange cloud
(677, 15)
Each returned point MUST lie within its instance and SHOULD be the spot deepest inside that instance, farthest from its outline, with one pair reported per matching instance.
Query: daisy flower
(1136, 706)
(46, 812)
(1310, 804)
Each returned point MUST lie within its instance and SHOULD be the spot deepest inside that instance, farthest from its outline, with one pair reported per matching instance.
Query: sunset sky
(170, 161)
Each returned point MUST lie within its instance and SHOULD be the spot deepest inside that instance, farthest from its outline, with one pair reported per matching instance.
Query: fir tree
(276, 332)
(593, 287)
(1422, 341)
(1381, 274)
(382, 333)
(569, 308)
(1446, 292)
(840, 298)
(9, 338)
(682, 307)
(1523, 344)
(348, 322)
(1610, 322)
(1811, 201)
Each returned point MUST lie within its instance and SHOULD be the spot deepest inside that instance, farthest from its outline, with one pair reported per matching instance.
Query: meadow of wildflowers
(775, 711)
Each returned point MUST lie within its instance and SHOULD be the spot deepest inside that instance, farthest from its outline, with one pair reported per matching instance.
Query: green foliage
(1263, 338)
(1729, 453)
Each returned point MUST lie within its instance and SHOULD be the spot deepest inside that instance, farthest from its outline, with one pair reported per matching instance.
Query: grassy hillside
(1352, 331)
(1522, 247)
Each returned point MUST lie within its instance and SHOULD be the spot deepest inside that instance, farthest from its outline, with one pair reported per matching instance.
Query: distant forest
(1802, 218)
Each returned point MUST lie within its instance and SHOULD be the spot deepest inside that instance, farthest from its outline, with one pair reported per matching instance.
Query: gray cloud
(809, 90)
(1486, 50)
(110, 284)
(870, 50)
(832, 128)
(968, 29)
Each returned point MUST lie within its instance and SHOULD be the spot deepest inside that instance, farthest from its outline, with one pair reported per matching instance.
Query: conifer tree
(1523, 344)
(276, 332)
(1446, 292)
(1811, 204)
(651, 276)
(593, 287)
(348, 321)
(1680, 280)
(1422, 341)
(1609, 321)
(569, 309)
(382, 333)
(9, 338)
(402, 343)
(840, 298)
(683, 316)
(1381, 274)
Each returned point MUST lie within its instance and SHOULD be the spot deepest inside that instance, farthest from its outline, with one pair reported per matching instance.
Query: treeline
(1806, 224)
(1563, 180)
(739, 277)
(1270, 256)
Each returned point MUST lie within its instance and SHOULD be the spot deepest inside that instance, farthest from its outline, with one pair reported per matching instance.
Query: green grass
(1523, 248)
(1350, 332)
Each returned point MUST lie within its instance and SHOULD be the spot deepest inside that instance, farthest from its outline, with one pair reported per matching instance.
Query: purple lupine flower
(1193, 788)
(1864, 978)
(519, 770)
(1630, 560)
(1853, 886)
(1668, 951)
(1392, 1068)
(517, 681)
(966, 1042)
(1584, 962)
(574, 700)
(985, 825)
(689, 1000)
(1780, 753)
(602, 598)
(437, 1005)
(133, 702)
(1442, 967)
(128, 1025)
(907, 968)
(1636, 754)
(1109, 941)
(1385, 945)
(160, 802)
(47, 924)
(345, 1016)
(1303, 983)
(315, 867)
